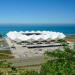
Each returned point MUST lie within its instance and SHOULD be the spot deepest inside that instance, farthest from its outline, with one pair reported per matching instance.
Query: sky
(37, 11)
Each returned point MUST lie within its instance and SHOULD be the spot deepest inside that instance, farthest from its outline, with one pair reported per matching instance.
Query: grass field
(5, 54)
(5, 51)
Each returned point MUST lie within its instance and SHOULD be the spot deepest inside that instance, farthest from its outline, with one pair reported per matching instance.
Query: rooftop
(34, 35)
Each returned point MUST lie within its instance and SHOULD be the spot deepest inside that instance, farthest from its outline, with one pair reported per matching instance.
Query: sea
(64, 28)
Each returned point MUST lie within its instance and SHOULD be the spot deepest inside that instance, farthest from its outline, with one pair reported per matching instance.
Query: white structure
(26, 45)
(34, 35)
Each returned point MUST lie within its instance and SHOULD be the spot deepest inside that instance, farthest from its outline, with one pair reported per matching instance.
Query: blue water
(65, 28)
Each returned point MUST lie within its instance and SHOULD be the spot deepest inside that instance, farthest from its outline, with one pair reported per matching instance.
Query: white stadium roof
(44, 35)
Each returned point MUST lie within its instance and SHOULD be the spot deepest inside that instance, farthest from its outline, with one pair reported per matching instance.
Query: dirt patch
(70, 39)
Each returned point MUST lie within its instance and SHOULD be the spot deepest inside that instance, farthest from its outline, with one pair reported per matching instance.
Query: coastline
(66, 29)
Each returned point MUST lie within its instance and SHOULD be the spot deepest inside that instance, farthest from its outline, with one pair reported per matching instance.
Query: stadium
(33, 43)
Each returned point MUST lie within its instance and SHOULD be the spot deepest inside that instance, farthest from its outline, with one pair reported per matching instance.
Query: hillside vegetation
(63, 63)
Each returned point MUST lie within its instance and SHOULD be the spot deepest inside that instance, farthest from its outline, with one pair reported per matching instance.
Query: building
(34, 43)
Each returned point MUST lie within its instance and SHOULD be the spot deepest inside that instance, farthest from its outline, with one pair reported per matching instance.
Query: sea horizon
(64, 28)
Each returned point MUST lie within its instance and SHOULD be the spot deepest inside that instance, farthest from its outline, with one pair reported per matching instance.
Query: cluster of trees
(63, 63)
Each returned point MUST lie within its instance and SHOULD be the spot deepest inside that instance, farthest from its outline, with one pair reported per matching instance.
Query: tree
(62, 64)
